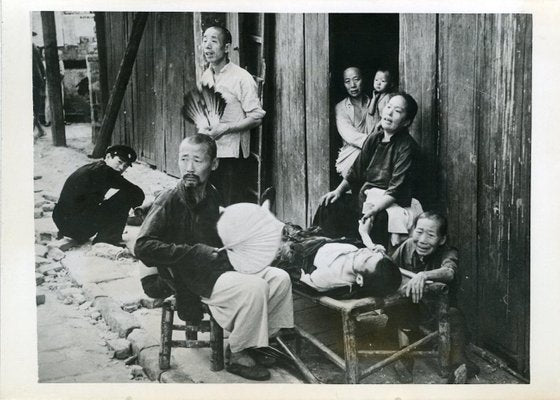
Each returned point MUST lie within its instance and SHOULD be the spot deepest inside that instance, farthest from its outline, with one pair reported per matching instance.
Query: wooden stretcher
(352, 311)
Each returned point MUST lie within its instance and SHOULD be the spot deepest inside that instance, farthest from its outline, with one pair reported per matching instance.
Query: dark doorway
(366, 41)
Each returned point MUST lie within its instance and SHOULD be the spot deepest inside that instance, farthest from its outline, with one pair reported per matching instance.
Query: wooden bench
(353, 310)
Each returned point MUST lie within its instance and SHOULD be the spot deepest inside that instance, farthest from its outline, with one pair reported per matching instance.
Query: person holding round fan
(180, 237)
(242, 113)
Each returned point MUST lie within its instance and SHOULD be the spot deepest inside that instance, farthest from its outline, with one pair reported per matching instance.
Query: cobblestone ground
(72, 340)
(74, 343)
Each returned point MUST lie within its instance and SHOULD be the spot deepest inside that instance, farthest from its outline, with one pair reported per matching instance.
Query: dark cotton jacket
(85, 189)
(390, 166)
(181, 235)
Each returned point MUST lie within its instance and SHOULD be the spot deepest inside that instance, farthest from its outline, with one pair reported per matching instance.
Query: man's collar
(223, 69)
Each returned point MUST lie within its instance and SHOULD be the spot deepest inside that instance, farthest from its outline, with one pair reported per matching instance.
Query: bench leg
(444, 334)
(217, 345)
(350, 351)
(167, 314)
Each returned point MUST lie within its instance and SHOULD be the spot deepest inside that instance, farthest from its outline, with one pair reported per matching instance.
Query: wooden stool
(216, 342)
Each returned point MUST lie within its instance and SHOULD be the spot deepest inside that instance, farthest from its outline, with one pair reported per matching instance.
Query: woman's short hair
(411, 105)
(437, 218)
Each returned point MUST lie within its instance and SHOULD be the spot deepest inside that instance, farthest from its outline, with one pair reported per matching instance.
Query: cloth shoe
(262, 357)
(254, 372)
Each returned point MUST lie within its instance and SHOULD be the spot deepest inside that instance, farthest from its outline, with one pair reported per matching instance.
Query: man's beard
(192, 188)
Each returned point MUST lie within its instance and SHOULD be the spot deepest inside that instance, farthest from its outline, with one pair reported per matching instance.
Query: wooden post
(444, 332)
(118, 91)
(350, 351)
(99, 18)
(167, 314)
(217, 345)
(53, 78)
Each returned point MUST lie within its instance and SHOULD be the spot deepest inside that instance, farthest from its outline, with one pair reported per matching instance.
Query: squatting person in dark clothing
(82, 210)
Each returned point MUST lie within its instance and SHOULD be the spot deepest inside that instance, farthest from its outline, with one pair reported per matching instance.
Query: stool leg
(167, 314)
(350, 351)
(191, 332)
(216, 345)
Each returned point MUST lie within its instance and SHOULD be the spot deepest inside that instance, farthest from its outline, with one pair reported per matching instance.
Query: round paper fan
(251, 235)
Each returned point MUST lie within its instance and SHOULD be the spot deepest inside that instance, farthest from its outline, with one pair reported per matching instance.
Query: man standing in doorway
(243, 112)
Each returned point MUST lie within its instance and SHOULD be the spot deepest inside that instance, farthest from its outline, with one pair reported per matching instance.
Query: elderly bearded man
(180, 235)
(243, 112)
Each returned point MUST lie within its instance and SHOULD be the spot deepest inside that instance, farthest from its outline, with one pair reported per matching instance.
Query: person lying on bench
(427, 254)
(329, 265)
(339, 264)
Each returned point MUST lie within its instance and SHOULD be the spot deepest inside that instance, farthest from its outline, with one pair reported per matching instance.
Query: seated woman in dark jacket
(381, 180)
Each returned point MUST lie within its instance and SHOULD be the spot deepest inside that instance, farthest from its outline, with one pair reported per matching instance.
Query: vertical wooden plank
(53, 78)
(288, 116)
(158, 55)
(522, 207)
(418, 73)
(127, 110)
(198, 55)
(459, 147)
(232, 23)
(504, 189)
(101, 34)
(180, 78)
(317, 108)
(145, 95)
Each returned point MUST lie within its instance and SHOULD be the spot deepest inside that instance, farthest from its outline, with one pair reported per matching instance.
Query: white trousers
(252, 307)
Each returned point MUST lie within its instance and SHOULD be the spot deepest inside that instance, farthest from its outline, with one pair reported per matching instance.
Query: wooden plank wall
(458, 147)
(418, 72)
(288, 118)
(317, 109)
(150, 118)
(483, 111)
(504, 126)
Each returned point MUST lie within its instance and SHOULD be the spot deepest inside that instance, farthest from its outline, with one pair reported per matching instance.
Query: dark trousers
(107, 219)
(231, 179)
(38, 107)
(341, 219)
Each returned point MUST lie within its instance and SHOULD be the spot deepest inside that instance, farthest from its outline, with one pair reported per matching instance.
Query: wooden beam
(309, 377)
(118, 91)
(53, 78)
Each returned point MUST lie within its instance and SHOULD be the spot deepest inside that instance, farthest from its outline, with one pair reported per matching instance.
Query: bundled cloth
(203, 107)
(251, 236)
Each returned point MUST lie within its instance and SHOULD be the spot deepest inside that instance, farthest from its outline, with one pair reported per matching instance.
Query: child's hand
(380, 248)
